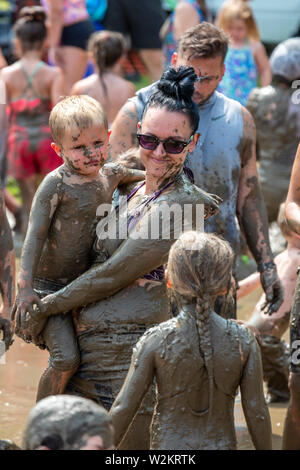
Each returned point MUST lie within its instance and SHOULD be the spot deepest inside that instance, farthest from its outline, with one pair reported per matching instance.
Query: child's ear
(56, 149)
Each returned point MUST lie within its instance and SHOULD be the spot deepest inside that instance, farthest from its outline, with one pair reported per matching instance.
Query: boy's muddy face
(84, 151)
(165, 125)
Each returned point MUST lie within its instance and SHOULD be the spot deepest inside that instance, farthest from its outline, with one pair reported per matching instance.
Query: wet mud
(25, 363)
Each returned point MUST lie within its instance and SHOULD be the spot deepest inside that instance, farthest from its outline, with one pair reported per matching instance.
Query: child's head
(79, 128)
(107, 48)
(200, 269)
(30, 28)
(199, 266)
(236, 18)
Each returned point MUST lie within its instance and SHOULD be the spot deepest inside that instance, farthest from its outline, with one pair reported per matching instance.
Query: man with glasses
(224, 160)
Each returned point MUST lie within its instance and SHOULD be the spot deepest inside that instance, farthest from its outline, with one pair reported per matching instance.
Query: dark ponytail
(30, 28)
(106, 47)
(175, 91)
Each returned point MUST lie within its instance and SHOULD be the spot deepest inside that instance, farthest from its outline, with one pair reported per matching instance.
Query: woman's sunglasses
(150, 142)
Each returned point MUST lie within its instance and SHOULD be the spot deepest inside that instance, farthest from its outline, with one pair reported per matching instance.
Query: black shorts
(295, 330)
(141, 19)
(77, 34)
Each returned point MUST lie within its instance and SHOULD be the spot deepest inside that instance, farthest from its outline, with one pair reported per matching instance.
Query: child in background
(31, 87)
(106, 85)
(246, 60)
(61, 230)
(186, 14)
(272, 328)
(198, 359)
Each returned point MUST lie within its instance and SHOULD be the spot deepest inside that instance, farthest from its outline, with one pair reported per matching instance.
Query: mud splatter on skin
(62, 228)
(122, 308)
(170, 352)
(252, 216)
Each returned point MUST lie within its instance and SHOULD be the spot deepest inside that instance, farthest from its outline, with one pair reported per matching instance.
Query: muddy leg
(53, 382)
(275, 368)
(291, 433)
(59, 336)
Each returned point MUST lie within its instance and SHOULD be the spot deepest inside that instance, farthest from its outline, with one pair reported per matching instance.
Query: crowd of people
(145, 347)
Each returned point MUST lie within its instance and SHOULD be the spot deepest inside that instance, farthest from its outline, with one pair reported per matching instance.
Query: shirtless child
(62, 226)
(272, 328)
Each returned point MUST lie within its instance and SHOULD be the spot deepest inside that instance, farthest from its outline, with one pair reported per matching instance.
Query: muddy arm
(119, 174)
(123, 131)
(253, 400)
(253, 220)
(136, 385)
(292, 205)
(44, 205)
(7, 274)
(134, 258)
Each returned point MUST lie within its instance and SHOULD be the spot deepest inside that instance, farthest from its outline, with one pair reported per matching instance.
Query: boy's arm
(247, 285)
(253, 400)
(119, 174)
(43, 208)
(7, 274)
(137, 383)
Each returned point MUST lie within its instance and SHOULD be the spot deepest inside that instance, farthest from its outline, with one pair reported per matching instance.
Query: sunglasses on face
(151, 142)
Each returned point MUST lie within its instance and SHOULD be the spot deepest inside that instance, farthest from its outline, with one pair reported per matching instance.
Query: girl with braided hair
(198, 360)
(106, 85)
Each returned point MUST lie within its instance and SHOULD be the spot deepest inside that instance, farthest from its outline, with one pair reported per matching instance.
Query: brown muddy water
(24, 364)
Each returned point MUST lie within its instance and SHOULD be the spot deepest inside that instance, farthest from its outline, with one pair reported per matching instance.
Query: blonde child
(107, 49)
(198, 359)
(31, 88)
(246, 60)
(61, 231)
(272, 328)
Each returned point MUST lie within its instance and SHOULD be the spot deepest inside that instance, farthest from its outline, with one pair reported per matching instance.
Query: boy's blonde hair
(238, 10)
(78, 111)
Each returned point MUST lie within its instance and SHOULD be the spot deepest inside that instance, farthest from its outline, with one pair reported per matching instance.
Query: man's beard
(200, 99)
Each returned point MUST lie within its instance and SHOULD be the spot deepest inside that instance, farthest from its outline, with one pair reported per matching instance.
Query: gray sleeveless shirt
(216, 160)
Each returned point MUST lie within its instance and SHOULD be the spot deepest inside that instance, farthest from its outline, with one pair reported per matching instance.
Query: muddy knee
(63, 361)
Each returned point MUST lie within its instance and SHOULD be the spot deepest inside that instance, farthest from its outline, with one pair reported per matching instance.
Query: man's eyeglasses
(207, 78)
(151, 142)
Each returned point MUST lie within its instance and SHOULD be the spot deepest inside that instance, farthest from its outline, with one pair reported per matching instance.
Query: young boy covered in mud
(62, 227)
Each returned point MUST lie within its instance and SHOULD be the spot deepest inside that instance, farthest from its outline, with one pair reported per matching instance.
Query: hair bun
(35, 13)
(178, 83)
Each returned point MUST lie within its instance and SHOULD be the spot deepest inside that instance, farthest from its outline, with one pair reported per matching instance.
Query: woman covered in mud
(198, 359)
(124, 293)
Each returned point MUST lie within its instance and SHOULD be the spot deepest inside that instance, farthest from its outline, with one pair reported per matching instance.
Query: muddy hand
(5, 326)
(35, 325)
(273, 290)
(212, 202)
